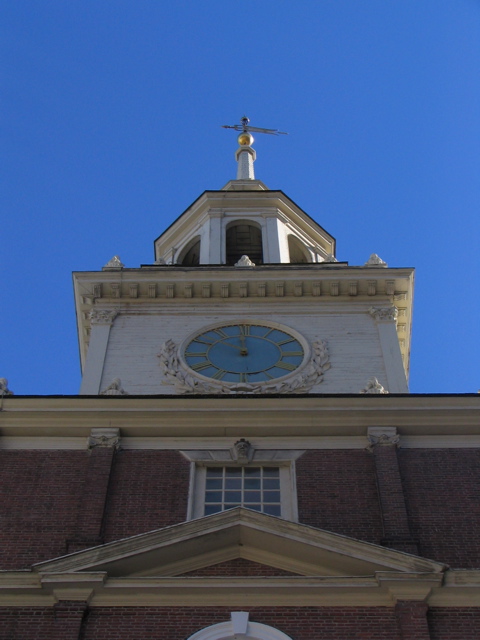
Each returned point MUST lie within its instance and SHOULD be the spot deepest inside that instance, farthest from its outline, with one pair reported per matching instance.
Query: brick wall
(39, 496)
(148, 490)
(441, 488)
(42, 499)
(454, 624)
(178, 623)
(337, 491)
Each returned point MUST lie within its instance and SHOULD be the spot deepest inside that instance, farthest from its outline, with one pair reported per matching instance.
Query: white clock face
(241, 352)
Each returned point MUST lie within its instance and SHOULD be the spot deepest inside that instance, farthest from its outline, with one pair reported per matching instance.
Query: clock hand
(243, 349)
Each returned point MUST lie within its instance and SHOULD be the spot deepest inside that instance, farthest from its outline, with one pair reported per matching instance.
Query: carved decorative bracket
(103, 316)
(242, 451)
(385, 314)
(104, 437)
(382, 436)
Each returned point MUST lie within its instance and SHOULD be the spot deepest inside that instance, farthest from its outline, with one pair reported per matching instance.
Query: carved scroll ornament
(114, 263)
(374, 387)
(244, 262)
(375, 261)
(184, 381)
(114, 389)
(385, 314)
(4, 390)
(103, 316)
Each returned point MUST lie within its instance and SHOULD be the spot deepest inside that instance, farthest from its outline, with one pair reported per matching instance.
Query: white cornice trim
(460, 588)
(454, 417)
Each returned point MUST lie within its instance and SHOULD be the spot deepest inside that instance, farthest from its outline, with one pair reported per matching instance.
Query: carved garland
(179, 376)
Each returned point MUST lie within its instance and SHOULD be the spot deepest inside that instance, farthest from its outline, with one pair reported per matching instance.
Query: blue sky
(110, 118)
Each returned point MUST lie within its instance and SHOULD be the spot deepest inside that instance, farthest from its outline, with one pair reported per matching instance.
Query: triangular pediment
(239, 533)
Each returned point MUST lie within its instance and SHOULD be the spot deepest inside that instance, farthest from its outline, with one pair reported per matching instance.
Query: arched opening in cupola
(297, 251)
(190, 254)
(244, 238)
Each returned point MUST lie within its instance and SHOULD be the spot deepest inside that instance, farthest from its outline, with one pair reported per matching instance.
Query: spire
(245, 155)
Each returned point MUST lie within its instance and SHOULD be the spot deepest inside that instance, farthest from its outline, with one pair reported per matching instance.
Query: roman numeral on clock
(286, 365)
(200, 366)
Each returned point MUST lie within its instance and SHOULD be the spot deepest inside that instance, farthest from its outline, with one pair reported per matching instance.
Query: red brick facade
(178, 623)
(53, 502)
(48, 504)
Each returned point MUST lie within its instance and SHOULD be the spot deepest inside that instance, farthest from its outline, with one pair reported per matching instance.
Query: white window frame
(284, 460)
(239, 627)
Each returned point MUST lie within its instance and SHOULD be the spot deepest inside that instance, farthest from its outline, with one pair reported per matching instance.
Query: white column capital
(383, 436)
(384, 314)
(104, 437)
(103, 316)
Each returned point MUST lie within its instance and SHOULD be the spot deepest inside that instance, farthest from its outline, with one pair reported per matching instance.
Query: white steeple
(245, 157)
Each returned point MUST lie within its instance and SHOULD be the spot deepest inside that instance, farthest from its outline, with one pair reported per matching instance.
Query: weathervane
(247, 139)
(245, 155)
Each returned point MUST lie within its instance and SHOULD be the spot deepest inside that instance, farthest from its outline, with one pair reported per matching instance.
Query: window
(239, 626)
(266, 483)
(244, 239)
(190, 255)
(255, 488)
(298, 252)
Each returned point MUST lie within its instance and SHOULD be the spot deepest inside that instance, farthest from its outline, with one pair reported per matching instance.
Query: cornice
(321, 287)
(246, 416)
(460, 588)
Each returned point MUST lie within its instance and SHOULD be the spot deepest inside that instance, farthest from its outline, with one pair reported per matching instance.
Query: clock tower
(243, 460)
(244, 296)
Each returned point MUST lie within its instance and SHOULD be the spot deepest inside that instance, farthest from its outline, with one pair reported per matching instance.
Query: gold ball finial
(245, 139)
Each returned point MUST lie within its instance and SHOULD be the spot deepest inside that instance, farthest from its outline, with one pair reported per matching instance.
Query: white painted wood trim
(92, 374)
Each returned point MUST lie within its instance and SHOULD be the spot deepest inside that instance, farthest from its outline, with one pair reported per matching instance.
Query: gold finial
(245, 139)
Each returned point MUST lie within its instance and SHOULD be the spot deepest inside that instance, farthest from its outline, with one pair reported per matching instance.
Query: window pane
(233, 472)
(233, 496)
(252, 483)
(253, 496)
(274, 483)
(272, 509)
(233, 483)
(213, 496)
(271, 496)
(253, 471)
(214, 483)
(271, 472)
(212, 508)
(214, 472)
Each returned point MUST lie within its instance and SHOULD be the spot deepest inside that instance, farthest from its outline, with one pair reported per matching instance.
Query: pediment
(239, 533)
